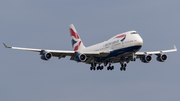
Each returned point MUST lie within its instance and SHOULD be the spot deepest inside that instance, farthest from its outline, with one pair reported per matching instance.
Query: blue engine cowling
(46, 56)
(161, 57)
(80, 58)
(146, 58)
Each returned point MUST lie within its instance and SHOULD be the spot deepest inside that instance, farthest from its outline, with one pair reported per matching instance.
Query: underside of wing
(55, 53)
(146, 57)
(88, 57)
(75, 55)
(60, 53)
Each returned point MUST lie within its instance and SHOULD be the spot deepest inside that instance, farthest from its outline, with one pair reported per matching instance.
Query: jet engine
(161, 57)
(46, 56)
(146, 58)
(80, 58)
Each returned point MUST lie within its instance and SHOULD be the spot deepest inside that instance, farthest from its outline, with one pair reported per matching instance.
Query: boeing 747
(121, 48)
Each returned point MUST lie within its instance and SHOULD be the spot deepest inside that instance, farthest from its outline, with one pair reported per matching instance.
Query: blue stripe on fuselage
(124, 50)
(123, 39)
(121, 52)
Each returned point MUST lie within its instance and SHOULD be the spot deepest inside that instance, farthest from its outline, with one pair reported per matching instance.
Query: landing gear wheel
(101, 67)
(90, 68)
(98, 67)
(112, 67)
(134, 59)
(123, 67)
(94, 68)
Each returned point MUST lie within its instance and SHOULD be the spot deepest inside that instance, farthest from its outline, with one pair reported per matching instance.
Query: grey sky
(45, 24)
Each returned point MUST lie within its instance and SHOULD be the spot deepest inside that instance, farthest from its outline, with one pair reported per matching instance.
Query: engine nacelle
(46, 56)
(146, 58)
(80, 58)
(161, 57)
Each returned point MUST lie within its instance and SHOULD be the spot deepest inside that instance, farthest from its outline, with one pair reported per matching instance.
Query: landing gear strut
(93, 66)
(133, 58)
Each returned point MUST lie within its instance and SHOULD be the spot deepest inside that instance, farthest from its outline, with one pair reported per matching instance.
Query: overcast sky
(45, 24)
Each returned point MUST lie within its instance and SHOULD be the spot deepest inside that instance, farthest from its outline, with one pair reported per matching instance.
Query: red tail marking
(74, 33)
(77, 47)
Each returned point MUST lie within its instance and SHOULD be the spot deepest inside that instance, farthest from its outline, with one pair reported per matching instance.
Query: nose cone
(139, 41)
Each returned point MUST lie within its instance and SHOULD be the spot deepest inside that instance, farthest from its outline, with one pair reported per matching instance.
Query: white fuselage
(117, 43)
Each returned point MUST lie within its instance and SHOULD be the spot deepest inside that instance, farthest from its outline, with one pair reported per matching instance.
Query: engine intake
(46, 56)
(81, 58)
(161, 57)
(146, 58)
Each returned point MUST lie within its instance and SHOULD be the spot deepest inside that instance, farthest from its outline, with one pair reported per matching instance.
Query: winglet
(6, 45)
(175, 48)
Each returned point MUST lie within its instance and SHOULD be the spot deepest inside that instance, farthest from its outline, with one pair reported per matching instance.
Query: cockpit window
(134, 33)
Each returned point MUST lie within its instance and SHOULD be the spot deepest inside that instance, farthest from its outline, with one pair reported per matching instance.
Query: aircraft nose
(140, 41)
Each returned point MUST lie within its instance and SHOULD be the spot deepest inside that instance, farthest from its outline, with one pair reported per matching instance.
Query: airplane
(121, 48)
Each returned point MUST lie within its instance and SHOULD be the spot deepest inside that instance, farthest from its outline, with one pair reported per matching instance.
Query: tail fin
(75, 39)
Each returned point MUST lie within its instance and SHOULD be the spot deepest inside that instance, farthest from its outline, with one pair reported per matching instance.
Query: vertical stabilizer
(75, 39)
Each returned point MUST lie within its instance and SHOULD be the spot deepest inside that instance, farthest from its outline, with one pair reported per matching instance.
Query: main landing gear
(100, 67)
(110, 67)
(123, 67)
(93, 67)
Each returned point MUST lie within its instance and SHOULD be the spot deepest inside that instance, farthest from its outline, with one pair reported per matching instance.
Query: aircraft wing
(155, 52)
(56, 53)
(62, 53)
